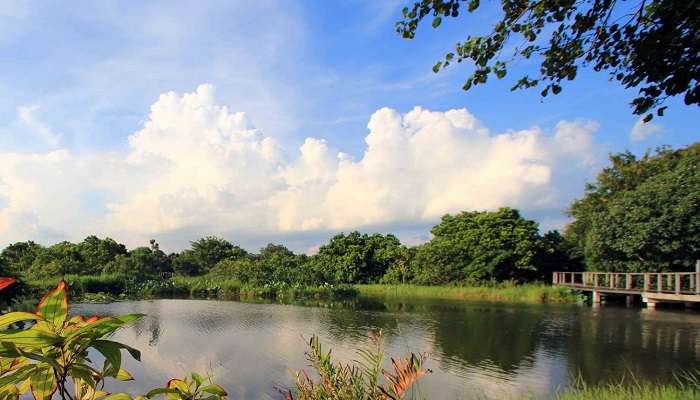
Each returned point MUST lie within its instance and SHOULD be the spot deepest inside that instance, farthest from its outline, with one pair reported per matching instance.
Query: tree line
(641, 214)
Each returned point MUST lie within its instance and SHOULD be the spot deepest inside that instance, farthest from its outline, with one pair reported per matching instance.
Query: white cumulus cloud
(642, 130)
(196, 167)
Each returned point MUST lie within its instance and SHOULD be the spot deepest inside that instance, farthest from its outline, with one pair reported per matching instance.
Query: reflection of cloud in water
(482, 351)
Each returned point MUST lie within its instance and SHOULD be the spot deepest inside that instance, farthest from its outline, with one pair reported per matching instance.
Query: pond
(478, 350)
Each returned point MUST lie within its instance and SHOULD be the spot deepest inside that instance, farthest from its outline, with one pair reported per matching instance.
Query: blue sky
(78, 80)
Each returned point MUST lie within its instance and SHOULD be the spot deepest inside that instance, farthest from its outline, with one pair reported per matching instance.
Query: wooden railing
(662, 282)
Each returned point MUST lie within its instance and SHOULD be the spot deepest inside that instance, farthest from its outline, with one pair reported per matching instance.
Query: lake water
(478, 350)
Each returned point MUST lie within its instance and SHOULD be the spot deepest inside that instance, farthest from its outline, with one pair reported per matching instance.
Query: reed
(504, 292)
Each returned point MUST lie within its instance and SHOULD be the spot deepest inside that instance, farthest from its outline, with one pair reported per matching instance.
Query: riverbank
(526, 293)
(686, 388)
(107, 288)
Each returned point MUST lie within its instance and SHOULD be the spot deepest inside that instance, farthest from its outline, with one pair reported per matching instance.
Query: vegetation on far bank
(526, 293)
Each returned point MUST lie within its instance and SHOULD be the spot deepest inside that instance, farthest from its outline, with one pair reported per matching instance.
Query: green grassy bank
(105, 288)
(527, 293)
(684, 390)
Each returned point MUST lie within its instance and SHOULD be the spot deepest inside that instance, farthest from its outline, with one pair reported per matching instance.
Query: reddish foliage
(5, 282)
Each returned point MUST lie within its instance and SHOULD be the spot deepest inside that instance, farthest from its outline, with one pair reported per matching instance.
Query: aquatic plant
(358, 380)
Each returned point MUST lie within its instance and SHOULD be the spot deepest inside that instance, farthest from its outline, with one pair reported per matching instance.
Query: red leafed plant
(5, 282)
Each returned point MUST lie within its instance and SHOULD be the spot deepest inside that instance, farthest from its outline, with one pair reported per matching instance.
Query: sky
(281, 121)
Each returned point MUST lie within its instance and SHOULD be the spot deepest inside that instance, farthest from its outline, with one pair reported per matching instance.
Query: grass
(505, 292)
(687, 387)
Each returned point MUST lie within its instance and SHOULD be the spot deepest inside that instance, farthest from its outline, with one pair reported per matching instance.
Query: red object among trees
(5, 282)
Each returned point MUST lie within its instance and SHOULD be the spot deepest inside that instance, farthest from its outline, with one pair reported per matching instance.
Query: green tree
(282, 263)
(96, 252)
(60, 259)
(18, 257)
(557, 254)
(641, 214)
(357, 258)
(141, 262)
(477, 246)
(211, 249)
(651, 45)
(244, 269)
(185, 263)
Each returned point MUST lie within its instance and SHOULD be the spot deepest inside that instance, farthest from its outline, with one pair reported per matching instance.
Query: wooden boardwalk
(673, 287)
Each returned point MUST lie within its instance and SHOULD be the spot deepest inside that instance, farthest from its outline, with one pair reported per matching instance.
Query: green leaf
(53, 307)
(29, 337)
(178, 384)
(132, 351)
(124, 375)
(436, 22)
(155, 392)
(214, 389)
(13, 317)
(18, 376)
(112, 354)
(118, 396)
(197, 378)
(43, 382)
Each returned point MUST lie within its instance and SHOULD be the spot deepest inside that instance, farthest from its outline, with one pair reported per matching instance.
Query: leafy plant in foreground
(52, 355)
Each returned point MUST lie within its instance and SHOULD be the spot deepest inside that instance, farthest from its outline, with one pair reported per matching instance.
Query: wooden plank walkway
(653, 287)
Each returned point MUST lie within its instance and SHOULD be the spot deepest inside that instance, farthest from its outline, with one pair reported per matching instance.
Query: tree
(651, 45)
(141, 262)
(557, 254)
(281, 262)
(60, 259)
(185, 263)
(357, 258)
(18, 257)
(211, 249)
(477, 246)
(641, 214)
(243, 269)
(97, 252)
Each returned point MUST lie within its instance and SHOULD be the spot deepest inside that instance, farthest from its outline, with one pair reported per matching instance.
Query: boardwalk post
(697, 277)
(659, 283)
(595, 280)
(678, 283)
(646, 282)
(628, 281)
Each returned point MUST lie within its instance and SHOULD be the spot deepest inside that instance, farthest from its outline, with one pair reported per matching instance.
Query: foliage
(43, 358)
(652, 45)
(359, 380)
(194, 388)
(141, 262)
(687, 388)
(357, 258)
(185, 263)
(496, 292)
(477, 246)
(641, 214)
(51, 355)
(210, 250)
(18, 257)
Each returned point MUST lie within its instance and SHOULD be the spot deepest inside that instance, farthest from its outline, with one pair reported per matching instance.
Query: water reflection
(478, 350)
